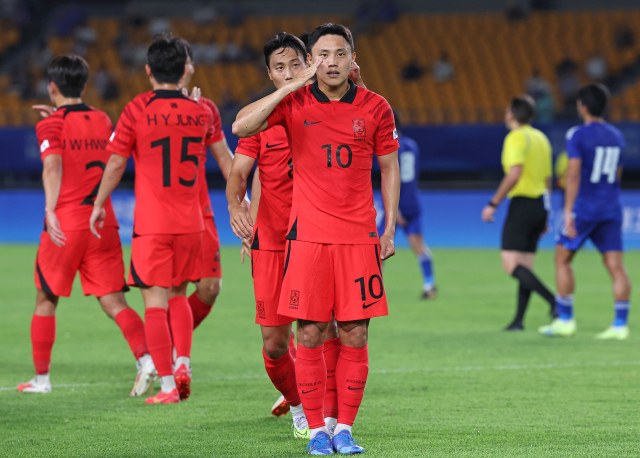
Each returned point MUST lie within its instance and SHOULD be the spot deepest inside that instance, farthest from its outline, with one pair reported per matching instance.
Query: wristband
(491, 204)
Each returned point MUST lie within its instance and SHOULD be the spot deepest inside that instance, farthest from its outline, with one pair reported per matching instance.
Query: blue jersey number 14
(605, 163)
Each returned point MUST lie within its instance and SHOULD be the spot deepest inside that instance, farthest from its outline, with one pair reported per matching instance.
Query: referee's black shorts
(526, 222)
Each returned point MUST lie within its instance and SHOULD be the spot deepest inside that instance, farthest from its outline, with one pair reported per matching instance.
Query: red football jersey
(332, 145)
(271, 149)
(166, 133)
(79, 134)
(218, 135)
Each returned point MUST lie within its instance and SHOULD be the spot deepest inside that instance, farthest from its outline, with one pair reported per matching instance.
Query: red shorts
(344, 279)
(210, 250)
(267, 268)
(98, 260)
(165, 259)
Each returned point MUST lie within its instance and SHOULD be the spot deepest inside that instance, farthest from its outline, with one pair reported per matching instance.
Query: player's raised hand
(45, 110)
(387, 247)
(97, 220)
(570, 226)
(354, 74)
(196, 93)
(53, 228)
(487, 214)
(241, 222)
(245, 250)
(305, 75)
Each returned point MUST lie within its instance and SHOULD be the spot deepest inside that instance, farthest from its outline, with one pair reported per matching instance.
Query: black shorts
(526, 222)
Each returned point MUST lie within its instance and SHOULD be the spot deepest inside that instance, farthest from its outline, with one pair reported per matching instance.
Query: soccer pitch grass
(444, 381)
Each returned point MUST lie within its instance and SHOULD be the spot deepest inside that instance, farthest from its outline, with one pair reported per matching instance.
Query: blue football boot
(320, 445)
(345, 444)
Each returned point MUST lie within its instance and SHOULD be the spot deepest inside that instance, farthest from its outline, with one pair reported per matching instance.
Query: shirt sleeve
(249, 146)
(49, 133)
(277, 116)
(573, 149)
(513, 151)
(123, 139)
(216, 133)
(385, 138)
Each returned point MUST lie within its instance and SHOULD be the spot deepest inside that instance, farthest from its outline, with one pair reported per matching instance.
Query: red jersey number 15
(165, 143)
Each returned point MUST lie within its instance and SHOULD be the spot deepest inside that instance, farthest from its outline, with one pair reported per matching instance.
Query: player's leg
(43, 335)
(425, 258)
(208, 288)
(564, 325)
(331, 352)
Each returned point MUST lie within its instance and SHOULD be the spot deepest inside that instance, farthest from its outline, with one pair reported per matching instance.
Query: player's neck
(514, 125)
(165, 87)
(589, 119)
(336, 92)
(63, 101)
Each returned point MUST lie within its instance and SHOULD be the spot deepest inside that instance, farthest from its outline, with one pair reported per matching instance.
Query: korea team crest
(294, 300)
(359, 128)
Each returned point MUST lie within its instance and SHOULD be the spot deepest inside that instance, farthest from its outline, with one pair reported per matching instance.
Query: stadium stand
(492, 57)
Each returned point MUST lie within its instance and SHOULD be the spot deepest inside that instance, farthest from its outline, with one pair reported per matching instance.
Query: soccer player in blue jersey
(592, 211)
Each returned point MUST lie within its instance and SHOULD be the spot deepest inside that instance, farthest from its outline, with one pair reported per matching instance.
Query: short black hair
(167, 57)
(284, 40)
(70, 73)
(523, 108)
(595, 97)
(187, 48)
(330, 29)
(305, 39)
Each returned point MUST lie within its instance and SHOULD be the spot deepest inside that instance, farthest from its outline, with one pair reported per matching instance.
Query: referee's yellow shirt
(530, 148)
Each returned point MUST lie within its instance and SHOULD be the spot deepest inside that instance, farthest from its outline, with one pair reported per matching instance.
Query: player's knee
(209, 290)
(112, 304)
(276, 347)
(354, 334)
(46, 304)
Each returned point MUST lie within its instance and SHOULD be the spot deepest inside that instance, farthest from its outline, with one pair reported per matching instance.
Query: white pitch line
(385, 371)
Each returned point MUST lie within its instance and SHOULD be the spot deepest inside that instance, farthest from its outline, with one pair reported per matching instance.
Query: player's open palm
(53, 229)
(387, 247)
(241, 222)
(305, 75)
(97, 220)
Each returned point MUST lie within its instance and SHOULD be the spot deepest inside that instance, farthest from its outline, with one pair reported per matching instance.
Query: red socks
(351, 378)
(292, 345)
(311, 373)
(199, 309)
(181, 322)
(282, 372)
(331, 354)
(43, 334)
(158, 339)
(132, 327)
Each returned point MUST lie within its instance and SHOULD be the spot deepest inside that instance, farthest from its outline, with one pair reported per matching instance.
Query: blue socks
(427, 269)
(622, 313)
(564, 306)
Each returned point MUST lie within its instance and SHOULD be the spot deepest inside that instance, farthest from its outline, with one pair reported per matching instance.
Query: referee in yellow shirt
(526, 159)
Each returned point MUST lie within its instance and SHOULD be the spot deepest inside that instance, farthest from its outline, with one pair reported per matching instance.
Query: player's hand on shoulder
(245, 250)
(241, 222)
(387, 247)
(53, 228)
(305, 75)
(97, 220)
(487, 214)
(44, 110)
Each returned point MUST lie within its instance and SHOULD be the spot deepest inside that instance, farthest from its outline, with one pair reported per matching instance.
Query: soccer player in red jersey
(72, 146)
(333, 255)
(165, 131)
(208, 288)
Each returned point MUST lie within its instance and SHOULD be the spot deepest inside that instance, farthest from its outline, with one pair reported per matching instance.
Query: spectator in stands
(85, 34)
(624, 37)
(106, 85)
(206, 53)
(536, 86)
(412, 71)
(41, 56)
(232, 53)
(596, 68)
(159, 25)
(443, 69)
(566, 66)
(205, 13)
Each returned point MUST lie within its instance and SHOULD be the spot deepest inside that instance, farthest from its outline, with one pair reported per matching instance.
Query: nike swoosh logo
(273, 146)
(330, 376)
(366, 306)
(310, 123)
(349, 388)
(305, 392)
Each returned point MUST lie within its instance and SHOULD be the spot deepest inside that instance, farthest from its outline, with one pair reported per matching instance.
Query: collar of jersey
(75, 107)
(167, 94)
(349, 97)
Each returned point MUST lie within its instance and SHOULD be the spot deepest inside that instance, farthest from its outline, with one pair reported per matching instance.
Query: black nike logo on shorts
(273, 146)
(350, 388)
(310, 123)
(366, 306)
(305, 392)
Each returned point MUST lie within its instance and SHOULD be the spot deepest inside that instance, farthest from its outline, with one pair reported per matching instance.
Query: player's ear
(148, 70)
(353, 56)
(53, 88)
(269, 73)
(309, 61)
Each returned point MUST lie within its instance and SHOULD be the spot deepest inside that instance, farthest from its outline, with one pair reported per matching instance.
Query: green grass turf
(445, 381)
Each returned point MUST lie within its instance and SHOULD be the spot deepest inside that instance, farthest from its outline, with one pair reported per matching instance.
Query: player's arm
(570, 195)
(619, 174)
(252, 119)
(52, 181)
(507, 184)
(390, 174)
(256, 192)
(110, 179)
(241, 221)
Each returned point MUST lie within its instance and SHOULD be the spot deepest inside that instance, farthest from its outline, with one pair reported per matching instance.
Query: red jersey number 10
(339, 155)
(165, 143)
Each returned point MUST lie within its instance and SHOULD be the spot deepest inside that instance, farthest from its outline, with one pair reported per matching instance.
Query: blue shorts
(605, 235)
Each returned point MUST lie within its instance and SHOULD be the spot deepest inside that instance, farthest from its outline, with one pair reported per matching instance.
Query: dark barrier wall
(474, 148)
